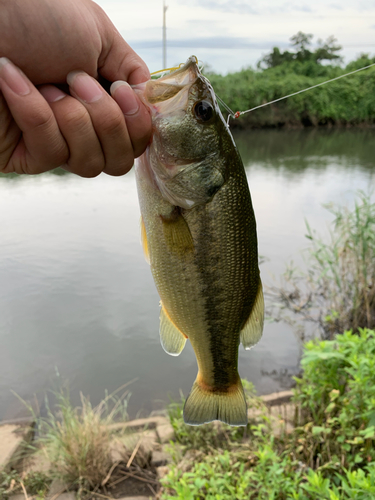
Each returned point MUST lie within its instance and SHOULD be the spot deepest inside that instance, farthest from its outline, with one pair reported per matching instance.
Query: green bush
(225, 477)
(330, 454)
(336, 398)
(349, 100)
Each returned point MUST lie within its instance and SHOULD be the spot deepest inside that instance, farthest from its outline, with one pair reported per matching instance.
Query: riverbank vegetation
(327, 453)
(337, 291)
(345, 102)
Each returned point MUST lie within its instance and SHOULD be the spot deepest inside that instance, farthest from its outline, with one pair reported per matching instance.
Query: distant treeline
(349, 101)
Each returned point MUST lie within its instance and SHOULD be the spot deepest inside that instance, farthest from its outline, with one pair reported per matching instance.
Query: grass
(338, 290)
(78, 443)
(329, 454)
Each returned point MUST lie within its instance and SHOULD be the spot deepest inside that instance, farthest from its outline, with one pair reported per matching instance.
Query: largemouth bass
(199, 236)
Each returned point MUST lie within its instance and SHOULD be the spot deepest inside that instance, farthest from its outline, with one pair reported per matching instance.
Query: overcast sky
(232, 34)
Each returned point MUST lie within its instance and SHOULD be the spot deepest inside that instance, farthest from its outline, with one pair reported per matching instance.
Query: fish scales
(200, 238)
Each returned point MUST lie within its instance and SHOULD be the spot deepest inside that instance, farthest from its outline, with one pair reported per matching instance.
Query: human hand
(87, 131)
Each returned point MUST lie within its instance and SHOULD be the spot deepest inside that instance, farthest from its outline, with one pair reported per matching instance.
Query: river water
(77, 301)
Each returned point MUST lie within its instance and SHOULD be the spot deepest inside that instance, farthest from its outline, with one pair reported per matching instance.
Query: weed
(7, 482)
(338, 291)
(254, 471)
(336, 398)
(34, 483)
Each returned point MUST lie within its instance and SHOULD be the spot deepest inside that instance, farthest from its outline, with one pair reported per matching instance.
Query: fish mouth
(184, 75)
(155, 92)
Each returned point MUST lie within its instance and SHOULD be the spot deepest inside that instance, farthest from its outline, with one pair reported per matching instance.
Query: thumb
(118, 61)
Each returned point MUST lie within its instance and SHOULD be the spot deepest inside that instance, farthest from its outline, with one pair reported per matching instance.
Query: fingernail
(125, 97)
(51, 93)
(85, 87)
(13, 77)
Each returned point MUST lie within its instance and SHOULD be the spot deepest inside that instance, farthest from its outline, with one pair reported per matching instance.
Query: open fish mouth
(156, 92)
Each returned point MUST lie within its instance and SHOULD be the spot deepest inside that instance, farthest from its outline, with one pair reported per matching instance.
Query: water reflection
(76, 293)
(296, 151)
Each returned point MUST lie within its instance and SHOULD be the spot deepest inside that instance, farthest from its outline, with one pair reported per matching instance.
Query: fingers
(9, 134)
(88, 131)
(41, 146)
(86, 157)
(123, 128)
(137, 116)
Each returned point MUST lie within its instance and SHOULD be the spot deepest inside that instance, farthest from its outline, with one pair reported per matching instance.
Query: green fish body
(199, 236)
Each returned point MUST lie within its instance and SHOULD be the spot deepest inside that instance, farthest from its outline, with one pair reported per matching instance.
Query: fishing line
(237, 114)
(231, 113)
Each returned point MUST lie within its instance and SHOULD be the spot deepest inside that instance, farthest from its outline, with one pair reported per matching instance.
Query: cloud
(240, 7)
(335, 6)
(302, 8)
(213, 42)
(366, 5)
(233, 6)
(286, 7)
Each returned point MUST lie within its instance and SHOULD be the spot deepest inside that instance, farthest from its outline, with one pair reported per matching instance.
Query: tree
(275, 58)
(300, 41)
(327, 50)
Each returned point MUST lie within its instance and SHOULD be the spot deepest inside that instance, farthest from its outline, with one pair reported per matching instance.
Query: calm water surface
(77, 298)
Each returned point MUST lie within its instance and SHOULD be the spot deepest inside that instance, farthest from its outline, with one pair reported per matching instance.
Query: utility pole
(164, 36)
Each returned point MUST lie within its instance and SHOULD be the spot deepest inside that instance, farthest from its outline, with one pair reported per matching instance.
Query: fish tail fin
(204, 405)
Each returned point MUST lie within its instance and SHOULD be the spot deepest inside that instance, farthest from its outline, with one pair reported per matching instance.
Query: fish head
(185, 152)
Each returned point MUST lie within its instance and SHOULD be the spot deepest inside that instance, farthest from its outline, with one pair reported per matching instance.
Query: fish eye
(203, 111)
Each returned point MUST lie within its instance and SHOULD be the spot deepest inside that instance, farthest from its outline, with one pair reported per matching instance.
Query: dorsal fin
(253, 328)
(171, 338)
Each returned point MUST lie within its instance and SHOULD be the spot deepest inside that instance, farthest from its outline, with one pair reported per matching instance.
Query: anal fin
(171, 338)
(253, 328)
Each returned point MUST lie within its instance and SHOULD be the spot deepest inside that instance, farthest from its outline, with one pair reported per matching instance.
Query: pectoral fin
(177, 233)
(171, 338)
(144, 242)
(252, 331)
